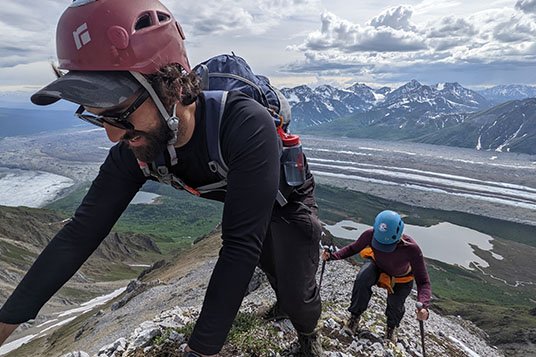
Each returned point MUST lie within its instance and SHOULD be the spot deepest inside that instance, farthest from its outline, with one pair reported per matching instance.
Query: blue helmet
(388, 228)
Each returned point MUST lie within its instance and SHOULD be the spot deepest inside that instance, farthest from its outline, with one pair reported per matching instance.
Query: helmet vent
(143, 22)
(163, 17)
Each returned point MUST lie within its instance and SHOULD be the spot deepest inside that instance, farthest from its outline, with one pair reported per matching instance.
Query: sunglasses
(119, 120)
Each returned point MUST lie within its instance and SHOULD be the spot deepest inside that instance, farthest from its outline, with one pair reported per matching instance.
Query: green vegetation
(12, 254)
(249, 334)
(504, 324)
(114, 272)
(465, 286)
(78, 294)
(174, 221)
(357, 126)
(253, 336)
(498, 309)
(68, 204)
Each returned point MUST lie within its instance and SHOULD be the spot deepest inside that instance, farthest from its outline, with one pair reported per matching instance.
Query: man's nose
(114, 134)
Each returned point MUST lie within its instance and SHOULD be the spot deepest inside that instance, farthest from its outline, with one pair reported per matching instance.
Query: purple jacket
(407, 256)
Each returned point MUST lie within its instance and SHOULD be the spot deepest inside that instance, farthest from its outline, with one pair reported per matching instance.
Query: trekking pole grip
(419, 305)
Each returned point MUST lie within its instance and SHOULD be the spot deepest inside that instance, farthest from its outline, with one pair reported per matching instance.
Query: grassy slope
(23, 234)
(502, 311)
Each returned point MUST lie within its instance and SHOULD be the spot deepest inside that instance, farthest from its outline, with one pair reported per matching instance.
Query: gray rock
(117, 346)
(176, 337)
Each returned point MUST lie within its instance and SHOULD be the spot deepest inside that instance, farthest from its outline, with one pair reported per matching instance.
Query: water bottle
(292, 159)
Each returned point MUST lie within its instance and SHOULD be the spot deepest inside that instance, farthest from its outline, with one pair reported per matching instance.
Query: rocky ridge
(165, 333)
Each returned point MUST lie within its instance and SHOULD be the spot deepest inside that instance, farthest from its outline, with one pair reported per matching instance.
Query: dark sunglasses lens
(121, 124)
(91, 119)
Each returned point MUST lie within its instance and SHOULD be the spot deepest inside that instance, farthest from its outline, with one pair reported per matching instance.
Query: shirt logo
(383, 227)
(81, 36)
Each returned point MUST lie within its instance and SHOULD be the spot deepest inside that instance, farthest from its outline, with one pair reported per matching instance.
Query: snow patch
(467, 350)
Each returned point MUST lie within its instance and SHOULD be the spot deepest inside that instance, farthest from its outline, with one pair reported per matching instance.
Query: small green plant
(162, 338)
(252, 336)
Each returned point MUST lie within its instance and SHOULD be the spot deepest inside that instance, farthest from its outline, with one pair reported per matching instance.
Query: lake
(445, 241)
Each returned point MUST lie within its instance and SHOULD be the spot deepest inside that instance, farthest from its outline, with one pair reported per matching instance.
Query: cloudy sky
(477, 43)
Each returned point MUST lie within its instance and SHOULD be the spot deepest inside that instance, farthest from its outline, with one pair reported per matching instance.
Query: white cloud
(527, 6)
(237, 17)
(30, 76)
(396, 17)
(235, 21)
(339, 34)
(451, 26)
(391, 43)
(27, 35)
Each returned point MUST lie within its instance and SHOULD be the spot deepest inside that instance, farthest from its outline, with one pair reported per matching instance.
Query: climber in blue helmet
(393, 260)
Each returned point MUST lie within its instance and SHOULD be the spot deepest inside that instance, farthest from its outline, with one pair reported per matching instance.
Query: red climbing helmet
(101, 41)
(119, 35)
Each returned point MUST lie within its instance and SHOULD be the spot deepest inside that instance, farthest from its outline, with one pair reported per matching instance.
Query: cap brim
(98, 89)
(386, 248)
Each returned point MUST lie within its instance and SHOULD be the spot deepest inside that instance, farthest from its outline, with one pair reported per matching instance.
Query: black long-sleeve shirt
(250, 148)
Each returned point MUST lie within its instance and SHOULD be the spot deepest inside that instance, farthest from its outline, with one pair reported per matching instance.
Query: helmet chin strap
(172, 121)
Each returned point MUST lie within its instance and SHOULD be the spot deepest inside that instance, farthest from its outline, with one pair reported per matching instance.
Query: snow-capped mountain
(410, 102)
(418, 106)
(326, 103)
(504, 93)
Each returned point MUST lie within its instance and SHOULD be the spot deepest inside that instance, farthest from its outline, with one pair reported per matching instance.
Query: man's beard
(156, 142)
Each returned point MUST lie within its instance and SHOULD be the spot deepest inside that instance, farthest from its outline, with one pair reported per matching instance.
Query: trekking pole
(326, 249)
(419, 305)
(323, 268)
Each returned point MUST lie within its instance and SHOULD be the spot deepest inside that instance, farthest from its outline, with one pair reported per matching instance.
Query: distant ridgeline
(21, 121)
(501, 118)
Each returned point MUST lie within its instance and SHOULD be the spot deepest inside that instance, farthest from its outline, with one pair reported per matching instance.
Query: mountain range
(498, 118)
(444, 113)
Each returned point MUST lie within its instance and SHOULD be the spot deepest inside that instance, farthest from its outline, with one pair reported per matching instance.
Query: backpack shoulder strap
(214, 106)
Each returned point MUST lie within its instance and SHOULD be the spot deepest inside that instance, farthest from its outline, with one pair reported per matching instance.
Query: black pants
(289, 257)
(362, 292)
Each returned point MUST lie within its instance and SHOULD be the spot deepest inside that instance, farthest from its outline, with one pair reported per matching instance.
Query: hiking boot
(310, 345)
(275, 313)
(352, 325)
(391, 334)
